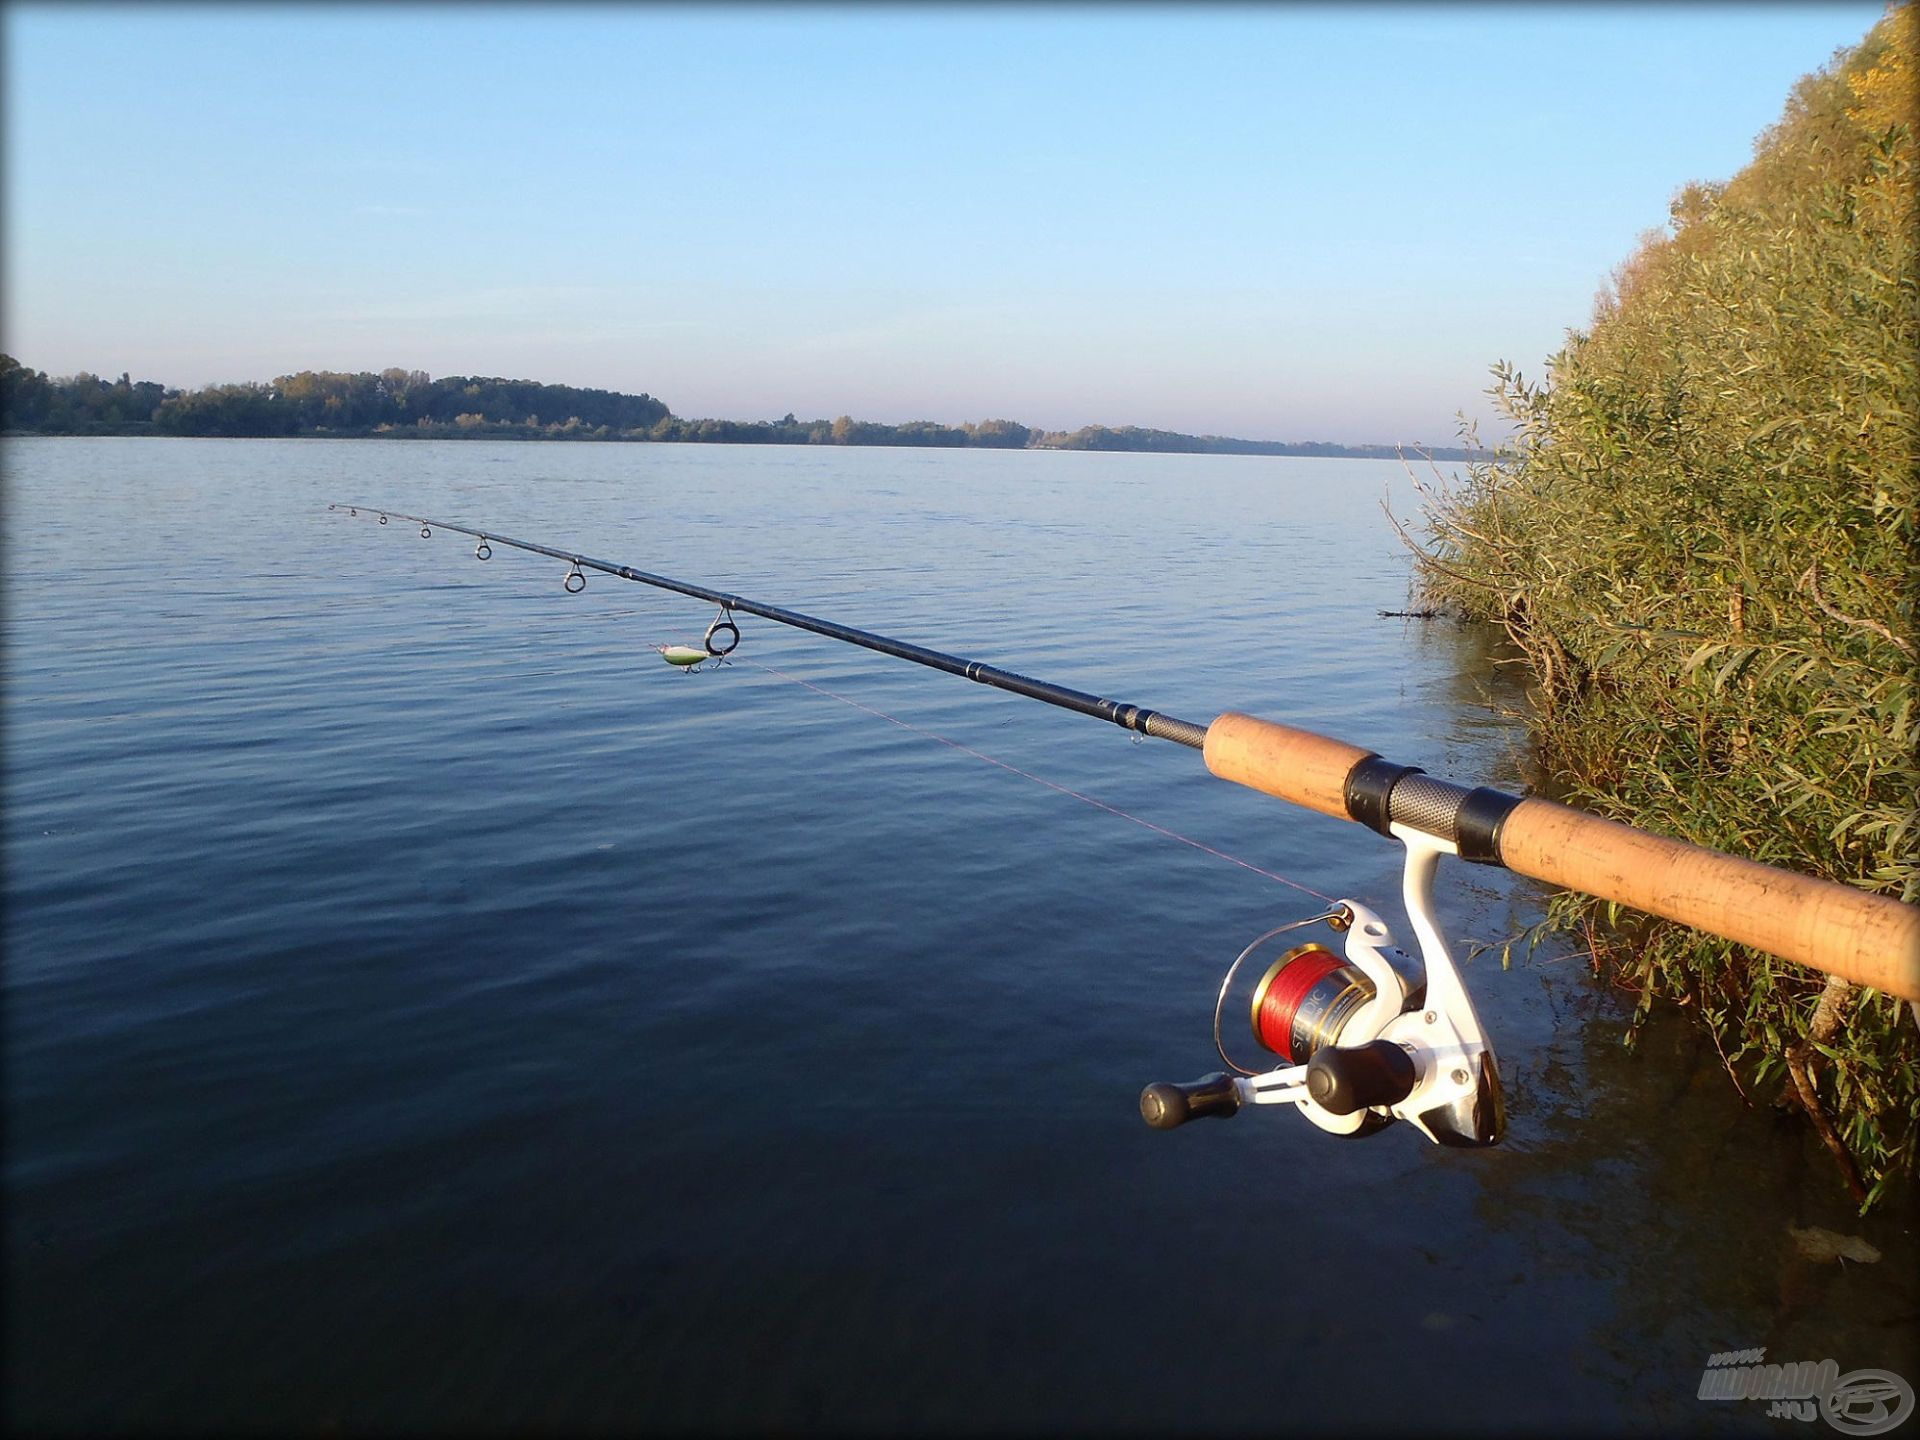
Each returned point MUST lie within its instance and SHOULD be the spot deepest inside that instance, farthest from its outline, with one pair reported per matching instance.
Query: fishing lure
(685, 656)
(721, 640)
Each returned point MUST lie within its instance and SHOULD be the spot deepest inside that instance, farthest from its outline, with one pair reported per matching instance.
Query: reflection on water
(425, 1011)
(1684, 1203)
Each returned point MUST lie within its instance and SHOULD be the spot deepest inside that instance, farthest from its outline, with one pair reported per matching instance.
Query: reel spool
(1310, 995)
(1316, 995)
(1306, 1000)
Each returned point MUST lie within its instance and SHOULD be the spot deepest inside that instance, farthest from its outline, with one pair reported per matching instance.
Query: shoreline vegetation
(1702, 540)
(411, 405)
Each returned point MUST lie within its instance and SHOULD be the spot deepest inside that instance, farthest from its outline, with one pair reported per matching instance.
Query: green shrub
(1702, 538)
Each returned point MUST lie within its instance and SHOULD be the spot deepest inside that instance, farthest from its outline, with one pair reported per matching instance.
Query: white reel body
(1412, 1049)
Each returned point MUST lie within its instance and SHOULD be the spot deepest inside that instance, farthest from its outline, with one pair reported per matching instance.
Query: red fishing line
(1276, 1001)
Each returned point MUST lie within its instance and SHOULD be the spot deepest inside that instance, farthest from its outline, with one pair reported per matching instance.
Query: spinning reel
(1371, 1038)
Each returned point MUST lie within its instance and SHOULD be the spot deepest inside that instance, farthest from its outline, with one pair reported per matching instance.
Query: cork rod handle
(1871, 940)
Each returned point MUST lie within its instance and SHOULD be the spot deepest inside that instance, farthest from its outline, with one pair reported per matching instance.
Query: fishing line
(1037, 779)
(1138, 719)
(1368, 1034)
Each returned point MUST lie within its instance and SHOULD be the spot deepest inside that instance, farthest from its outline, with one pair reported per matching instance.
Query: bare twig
(1811, 583)
(1427, 559)
(1714, 1031)
(1827, 1016)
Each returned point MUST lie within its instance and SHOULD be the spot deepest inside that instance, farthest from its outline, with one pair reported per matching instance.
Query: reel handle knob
(1165, 1105)
(1343, 1079)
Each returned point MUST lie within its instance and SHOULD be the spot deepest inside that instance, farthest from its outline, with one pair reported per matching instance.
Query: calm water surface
(426, 1011)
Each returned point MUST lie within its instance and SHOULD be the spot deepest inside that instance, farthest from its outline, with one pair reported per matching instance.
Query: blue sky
(1283, 222)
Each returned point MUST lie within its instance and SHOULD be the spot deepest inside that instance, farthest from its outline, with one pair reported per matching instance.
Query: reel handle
(1343, 1079)
(1165, 1105)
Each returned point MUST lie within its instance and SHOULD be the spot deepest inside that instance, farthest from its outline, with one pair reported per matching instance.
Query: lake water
(426, 1011)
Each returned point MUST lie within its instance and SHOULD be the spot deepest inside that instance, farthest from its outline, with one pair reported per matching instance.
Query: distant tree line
(321, 402)
(412, 404)
(82, 404)
(995, 434)
(1171, 442)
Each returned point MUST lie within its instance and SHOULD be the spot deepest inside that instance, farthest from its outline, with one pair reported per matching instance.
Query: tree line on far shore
(319, 402)
(410, 404)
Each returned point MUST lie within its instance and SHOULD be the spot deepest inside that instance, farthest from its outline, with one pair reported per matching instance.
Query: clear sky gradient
(1280, 222)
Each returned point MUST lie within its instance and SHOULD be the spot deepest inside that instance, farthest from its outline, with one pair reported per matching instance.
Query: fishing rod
(1130, 717)
(1381, 1034)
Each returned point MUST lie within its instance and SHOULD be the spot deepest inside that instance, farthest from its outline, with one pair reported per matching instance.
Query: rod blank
(1129, 717)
